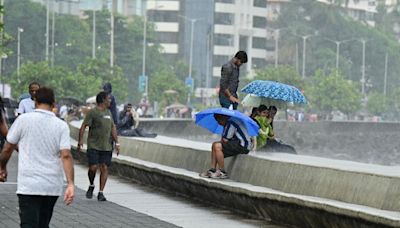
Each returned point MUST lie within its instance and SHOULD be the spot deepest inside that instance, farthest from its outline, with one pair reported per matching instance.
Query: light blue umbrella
(270, 90)
(206, 120)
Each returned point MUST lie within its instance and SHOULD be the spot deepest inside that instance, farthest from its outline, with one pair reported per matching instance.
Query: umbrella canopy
(251, 100)
(275, 91)
(206, 120)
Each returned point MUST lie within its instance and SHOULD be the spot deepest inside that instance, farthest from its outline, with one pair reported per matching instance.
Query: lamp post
(192, 22)
(94, 35)
(304, 50)
(47, 29)
(363, 42)
(144, 52)
(338, 49)
(146, 88)
(112, 36)
(276, 36)
(19, 49)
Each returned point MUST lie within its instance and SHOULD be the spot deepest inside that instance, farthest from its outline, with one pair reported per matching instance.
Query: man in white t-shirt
(28, 104)
(44, 153)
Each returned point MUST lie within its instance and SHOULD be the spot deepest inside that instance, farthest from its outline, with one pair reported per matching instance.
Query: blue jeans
(225, 102)
(36, 211)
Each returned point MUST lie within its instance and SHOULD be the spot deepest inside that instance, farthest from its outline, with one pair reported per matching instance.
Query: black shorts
(96, 157)
(233, 148)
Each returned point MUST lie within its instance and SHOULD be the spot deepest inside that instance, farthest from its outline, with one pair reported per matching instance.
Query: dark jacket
(229, 78)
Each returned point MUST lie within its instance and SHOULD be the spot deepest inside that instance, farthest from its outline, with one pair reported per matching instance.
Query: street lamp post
(19, 49)
(363, 41)
(112, 37)
(53, 26)
(304, 53)
(144, 52)
(47, 28)
(94, 35)
(146, 88)
(192, 22)
(338, 42)
(277, 34)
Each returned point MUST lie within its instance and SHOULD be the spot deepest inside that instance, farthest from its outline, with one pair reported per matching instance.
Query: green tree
(283, 74)
(329, 92)
(376, 104)
(64, 82)
(167, 80)
(101, 71)
(304, 17)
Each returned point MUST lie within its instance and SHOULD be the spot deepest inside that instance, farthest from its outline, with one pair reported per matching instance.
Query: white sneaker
(219, 174)
(207, 174)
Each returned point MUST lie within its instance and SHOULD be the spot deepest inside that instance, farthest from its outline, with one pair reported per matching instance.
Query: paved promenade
(129, 205)
(81, 213)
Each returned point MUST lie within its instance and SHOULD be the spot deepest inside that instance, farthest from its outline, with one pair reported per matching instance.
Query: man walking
(229, 81)
(44, 152)
(28, 104)
(235, 140)
(99, 143)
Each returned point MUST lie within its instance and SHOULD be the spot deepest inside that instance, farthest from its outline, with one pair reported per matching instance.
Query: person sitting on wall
(266, 132)
(272, 143)
(129, 122)
(235, 140)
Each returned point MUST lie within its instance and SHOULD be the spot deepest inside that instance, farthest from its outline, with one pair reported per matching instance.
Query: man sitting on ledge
(235, 140)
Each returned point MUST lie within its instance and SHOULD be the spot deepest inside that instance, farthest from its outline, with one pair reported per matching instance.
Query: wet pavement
(129, 205)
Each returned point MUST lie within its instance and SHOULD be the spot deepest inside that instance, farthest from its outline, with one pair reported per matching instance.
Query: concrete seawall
(366, 142)
(298, 190)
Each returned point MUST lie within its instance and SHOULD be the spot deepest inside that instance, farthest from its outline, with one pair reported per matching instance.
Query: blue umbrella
(206, 119)
(275, 91)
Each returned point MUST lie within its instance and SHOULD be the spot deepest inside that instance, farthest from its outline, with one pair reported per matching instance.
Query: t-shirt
(40, 136)
(100, 126)
(26, 105)
(235, 129)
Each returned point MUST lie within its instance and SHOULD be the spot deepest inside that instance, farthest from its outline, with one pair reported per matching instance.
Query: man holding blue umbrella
(235, 140)
(229, 81)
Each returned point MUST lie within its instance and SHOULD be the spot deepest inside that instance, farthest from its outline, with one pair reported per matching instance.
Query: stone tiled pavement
(81, 213)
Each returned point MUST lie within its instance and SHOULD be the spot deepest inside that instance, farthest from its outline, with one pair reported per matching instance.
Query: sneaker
(208, 173)
(220, 174)
(89, 193)
(100, 197)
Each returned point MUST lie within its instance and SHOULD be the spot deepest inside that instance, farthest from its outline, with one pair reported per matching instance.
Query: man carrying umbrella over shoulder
(229, 81)
(235, 140)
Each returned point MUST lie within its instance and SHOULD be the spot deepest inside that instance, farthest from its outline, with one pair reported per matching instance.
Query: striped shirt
(40, 136)
(235, 129)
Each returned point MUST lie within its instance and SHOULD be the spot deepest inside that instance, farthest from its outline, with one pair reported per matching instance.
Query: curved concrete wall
(361, 191)
(366, 142)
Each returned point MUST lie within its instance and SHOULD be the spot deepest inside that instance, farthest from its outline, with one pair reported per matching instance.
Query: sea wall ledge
(298, 190)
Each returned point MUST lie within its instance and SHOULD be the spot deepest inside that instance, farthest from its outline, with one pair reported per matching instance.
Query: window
(259, 22)
(167, 37)
(162, 16)
(224, 18)
(259, 42)
(223, 39)
(226, 1)
(260, 3)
